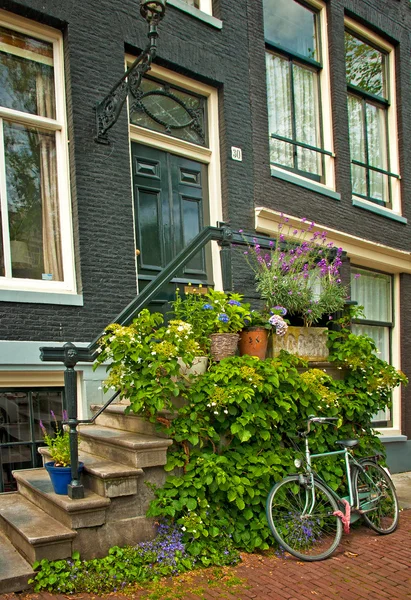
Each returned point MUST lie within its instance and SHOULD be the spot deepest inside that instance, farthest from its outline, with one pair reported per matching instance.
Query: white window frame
(392, 120)
(325, 108)
(208, 155)
(59, 127)
(205, 6)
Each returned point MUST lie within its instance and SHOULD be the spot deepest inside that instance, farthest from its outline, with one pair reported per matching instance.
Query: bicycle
(306, 516)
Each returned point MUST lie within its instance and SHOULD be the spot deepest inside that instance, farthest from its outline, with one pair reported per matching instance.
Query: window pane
(279, 109)
(372, 291)
(307, 121)
(365, 66)
(195, 3)
(169, 110)
(15, 417)
(26, 74)
(377, 151)
(380, 335)
(291, 25)
(34, 222)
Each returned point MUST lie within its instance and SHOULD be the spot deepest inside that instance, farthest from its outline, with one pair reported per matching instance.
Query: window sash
(48, 127)
(293, 98)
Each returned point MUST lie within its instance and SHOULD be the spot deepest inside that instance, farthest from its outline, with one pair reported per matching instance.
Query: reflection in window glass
(195, 3)
(365, 66)
(169, 110)
(33, 210)
(292, 26)
(26, 74)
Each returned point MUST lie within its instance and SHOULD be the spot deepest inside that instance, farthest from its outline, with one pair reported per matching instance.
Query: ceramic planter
(254, 341)
(60, 477)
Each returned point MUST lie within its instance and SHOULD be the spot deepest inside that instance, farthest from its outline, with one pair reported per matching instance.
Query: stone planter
(199, 366)
(310, 343)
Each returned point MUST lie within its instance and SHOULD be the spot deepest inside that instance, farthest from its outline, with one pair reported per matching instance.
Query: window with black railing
(369, 106)
(294, 70)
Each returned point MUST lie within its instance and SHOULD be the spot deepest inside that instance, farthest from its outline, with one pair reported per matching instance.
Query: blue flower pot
(60, 477)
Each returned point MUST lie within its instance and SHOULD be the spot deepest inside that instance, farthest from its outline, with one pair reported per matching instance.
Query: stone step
(14, 570)
(133, 449)
(90, 511)
(104, 477)
(35, 534)
(114, 417)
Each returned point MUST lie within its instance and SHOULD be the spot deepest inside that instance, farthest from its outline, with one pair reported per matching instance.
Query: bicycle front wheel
(306, 533)
(377, 496)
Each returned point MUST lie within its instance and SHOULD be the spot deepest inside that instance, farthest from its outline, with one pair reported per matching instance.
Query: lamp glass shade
(152, 9)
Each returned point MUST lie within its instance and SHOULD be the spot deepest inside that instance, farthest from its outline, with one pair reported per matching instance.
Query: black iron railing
(70, 354)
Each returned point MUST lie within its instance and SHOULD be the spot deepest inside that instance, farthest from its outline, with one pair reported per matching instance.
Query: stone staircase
(120, 453)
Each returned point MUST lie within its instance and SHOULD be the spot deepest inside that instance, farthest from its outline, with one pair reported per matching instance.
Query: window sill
(378, 210)
(391, 436)
(41, 297)
(305, 183)
(195, 12)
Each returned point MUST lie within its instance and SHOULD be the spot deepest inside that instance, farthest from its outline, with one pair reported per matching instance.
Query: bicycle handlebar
(314, 419)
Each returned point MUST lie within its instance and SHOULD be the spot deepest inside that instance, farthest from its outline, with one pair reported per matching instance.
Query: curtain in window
(373, 292)
(48, 184)
(279, 109)
(306, 118)
(377, 151)
(357, 144)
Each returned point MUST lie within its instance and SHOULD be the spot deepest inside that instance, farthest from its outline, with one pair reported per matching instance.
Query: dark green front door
(170, 207)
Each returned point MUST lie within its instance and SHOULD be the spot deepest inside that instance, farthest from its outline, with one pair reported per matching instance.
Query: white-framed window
(370, 74)
(298, 89)
(374, 291)
(36, 247)
(195, 7)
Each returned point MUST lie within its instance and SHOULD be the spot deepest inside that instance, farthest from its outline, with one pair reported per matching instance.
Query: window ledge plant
(300, 272)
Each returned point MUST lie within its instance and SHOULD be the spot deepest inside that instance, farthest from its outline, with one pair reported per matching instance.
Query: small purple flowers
(234, 303)
(279, 324)
(208, 307)
(279, 310)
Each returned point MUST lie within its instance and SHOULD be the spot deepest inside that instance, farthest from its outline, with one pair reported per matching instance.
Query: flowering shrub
(145, 360)
(213, 312)
(300, 272)
(59, 443)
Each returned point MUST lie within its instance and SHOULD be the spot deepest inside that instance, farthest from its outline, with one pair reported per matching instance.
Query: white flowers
(183, 529)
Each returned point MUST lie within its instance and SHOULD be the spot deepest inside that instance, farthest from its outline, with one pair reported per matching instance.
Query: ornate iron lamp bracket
(109, 109)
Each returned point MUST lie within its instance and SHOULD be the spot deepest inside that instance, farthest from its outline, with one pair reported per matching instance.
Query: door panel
(171, 207)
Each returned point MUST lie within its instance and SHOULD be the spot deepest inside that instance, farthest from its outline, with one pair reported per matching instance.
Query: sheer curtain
(377, 151)
(279, 109)
(307, 118)
(280, 113)
(48, 182)
(357, 144)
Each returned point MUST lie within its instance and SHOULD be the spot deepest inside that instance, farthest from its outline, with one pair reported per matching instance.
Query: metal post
(75, 488)
(225, 257)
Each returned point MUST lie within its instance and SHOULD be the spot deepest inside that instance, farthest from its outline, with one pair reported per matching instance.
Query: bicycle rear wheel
(376, 495)
(310, 535)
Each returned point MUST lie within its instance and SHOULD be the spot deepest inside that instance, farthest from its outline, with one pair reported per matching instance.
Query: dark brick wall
(95, 34)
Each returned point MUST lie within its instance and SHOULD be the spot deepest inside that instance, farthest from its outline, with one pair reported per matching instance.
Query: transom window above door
(299, 114)
(170, 110)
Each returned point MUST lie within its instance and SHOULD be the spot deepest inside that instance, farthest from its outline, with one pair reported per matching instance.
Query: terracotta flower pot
(254, 341)
(223, 345)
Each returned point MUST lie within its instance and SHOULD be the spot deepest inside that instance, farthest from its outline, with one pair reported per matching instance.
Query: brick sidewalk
(364, 566)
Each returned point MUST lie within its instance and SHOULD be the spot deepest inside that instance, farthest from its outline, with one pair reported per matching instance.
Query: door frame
(209, 155)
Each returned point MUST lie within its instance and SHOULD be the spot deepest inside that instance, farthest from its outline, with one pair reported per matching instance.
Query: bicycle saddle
(347, 443)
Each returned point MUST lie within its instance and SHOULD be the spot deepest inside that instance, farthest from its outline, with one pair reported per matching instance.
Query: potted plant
(259, 325)
(58, 445)
(301, 273)
(217, 317)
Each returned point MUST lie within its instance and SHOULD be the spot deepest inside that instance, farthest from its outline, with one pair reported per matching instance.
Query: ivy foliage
(236, 436)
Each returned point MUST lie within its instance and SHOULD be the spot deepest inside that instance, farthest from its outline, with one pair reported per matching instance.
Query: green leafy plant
(299, 272)
(166, 555)
(213, 312)
(59, 443)
(145, 360)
